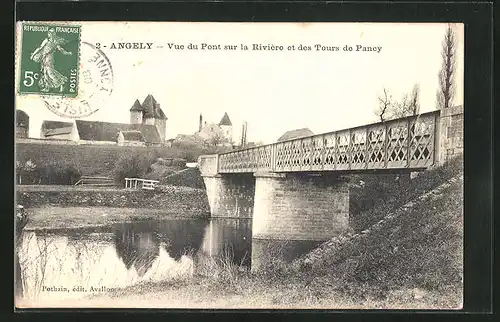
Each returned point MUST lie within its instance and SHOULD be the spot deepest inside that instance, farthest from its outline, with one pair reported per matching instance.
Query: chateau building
(147, 127)
(149, 113)
(222, 132)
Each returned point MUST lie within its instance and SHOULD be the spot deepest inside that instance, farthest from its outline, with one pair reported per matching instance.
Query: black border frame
(478, 95)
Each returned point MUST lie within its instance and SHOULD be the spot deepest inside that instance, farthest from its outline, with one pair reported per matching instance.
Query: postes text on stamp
(50, 58)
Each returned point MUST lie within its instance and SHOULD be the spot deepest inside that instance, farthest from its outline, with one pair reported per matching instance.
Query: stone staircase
(95, 181)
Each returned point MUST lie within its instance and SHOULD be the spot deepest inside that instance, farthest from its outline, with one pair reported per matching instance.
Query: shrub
(46, 175)
(26, 172)
(50, 174)
(133, 166)
(68, 175)
(190, 177)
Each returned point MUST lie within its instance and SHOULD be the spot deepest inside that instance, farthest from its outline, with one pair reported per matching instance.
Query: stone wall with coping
(451, 133)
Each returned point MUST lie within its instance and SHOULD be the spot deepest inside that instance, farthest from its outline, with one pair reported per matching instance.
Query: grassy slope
(416, 262)
(190, 177)
(422, 249)
(382, 193)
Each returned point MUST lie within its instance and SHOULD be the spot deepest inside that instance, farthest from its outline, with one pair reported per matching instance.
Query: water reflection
(137, 249)
(127, 253)
(138, 244)
(230, 238)
(124, 254)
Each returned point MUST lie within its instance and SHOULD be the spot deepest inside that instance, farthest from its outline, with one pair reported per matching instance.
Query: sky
(273, 91)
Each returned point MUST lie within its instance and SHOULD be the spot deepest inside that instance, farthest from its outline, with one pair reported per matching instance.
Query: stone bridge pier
(291, 213)
(231, 196)
(294, 213)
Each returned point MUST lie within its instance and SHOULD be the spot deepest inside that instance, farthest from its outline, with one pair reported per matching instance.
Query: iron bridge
(404, 143)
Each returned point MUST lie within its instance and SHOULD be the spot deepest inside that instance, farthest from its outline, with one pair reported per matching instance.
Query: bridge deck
(408, 143)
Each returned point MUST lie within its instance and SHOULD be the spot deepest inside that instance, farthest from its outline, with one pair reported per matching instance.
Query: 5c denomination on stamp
(50, 59)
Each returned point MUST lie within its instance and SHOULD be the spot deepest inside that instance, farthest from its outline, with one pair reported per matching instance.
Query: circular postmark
(95, 81)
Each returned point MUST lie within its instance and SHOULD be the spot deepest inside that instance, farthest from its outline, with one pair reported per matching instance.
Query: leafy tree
(446, 91)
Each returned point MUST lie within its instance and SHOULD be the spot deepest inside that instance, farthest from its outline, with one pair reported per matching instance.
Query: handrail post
(217, 162)
(408, 141)
(386, 143)
(322, 152)
(273, 157)
(311, 152)
(349, 148)
(366, 148)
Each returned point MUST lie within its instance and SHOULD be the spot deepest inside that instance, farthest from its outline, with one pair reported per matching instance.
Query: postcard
(239, 165)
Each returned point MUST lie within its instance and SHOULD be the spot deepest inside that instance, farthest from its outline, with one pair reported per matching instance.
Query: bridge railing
(408, 142)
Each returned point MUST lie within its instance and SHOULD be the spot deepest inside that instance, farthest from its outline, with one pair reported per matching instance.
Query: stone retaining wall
(173, 200)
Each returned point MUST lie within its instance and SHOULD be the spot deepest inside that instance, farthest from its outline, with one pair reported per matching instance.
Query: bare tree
(216, 139)
(446, 89)
(392, 109)
(409, 104)
(400, 108)
(384, 105)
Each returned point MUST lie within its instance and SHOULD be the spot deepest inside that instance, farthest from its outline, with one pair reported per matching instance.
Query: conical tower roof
(225, 120)
(152, 109)
(136, 107)
(148, 106)
(159, 113)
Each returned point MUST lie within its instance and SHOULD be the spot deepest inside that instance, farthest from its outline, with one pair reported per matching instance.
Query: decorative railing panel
(422, 142)
(397, 144)
(376, 152)
(249, 160)
(402, 143)
(358, 148)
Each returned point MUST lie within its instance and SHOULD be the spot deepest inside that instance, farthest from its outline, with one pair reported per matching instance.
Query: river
(73, 263)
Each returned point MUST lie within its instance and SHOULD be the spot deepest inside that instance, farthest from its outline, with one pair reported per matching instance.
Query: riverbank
(67, 207)
(62, 218)
(253, 291)
(170, 199)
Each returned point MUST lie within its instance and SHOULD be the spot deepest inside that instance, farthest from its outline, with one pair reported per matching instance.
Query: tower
(136, 113)
(148, 105)
(201, 122)
(153, 115)
(161, 122)
(227, 127)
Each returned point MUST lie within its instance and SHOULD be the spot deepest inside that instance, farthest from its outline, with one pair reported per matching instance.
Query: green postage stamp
(49, 60)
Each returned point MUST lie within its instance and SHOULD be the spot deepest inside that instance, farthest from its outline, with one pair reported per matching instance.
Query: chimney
(201, 122)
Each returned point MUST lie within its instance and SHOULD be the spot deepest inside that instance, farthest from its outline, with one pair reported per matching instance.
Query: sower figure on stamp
(44, 54)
